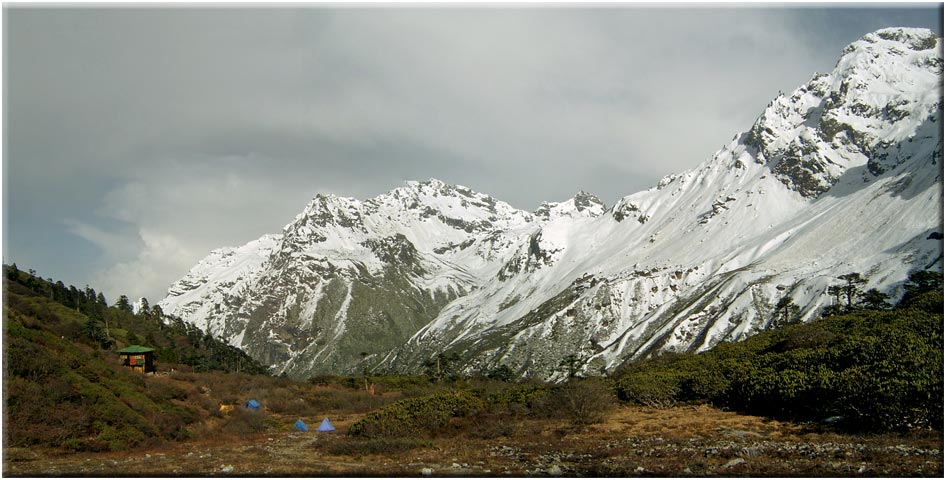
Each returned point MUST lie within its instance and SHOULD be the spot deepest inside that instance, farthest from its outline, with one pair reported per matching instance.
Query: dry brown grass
(628, 441)
(631, 441)
(687, 421)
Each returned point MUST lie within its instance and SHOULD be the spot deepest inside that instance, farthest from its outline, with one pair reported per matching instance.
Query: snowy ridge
(803, 197)
(225, 272)
(280, 300)
(842, 175)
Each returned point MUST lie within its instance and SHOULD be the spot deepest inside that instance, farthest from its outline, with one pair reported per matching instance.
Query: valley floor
(632, 441)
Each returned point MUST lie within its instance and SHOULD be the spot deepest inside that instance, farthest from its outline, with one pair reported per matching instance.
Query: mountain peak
(430, 182)
(584, 200)
(885, 87)
(583, 204)
(434, 187)
(879, 56)
(917, 39)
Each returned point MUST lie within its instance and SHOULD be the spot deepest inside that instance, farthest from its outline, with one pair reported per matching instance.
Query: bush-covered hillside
(866, 369)
(63, 383)
(84, 316)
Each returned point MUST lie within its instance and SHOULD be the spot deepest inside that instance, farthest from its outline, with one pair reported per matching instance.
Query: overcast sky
(136, 140)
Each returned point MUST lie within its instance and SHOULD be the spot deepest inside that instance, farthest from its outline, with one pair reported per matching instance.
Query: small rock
(752, 451)
(455, 466)
(554, 471)
(227, 469)
(640, 470)
(734, 462)
(426, 472)
(862, 469)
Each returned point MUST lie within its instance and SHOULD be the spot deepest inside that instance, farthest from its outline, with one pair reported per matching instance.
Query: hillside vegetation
(878, 369)
(64, 386)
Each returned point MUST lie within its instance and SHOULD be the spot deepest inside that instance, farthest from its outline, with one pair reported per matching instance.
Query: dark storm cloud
(137, 139)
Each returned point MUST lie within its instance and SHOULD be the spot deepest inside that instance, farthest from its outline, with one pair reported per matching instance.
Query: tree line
(849, 296)
(108, 327)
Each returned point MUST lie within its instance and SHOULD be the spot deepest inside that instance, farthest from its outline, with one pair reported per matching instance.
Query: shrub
(582, 401)
(488, 426)
(121, 438)
(657, 389)
(242, 422)
(880, 370)
(502, 373)
(414, 416)
(515, 398)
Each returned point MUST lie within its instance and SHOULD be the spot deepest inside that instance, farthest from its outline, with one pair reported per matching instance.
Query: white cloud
(115, 242)
(146, 275)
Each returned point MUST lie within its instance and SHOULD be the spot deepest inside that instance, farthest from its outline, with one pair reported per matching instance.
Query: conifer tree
(785, 311)
(123, 304)
(874, 299)
(921, 281)
(14, 273)
(851, 288)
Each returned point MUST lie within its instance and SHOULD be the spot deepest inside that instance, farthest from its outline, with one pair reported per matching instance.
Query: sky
(138, 139)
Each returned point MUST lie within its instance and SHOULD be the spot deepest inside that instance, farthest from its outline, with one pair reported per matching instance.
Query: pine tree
(14, 273)
(571, 364)
(157, 314)
(874, 299)
(123, 304)
(921, 281)
(851, 288)
(785, 311)
(90, 295)
(74, 296)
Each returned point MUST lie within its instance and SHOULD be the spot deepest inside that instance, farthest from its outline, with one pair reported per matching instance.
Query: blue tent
(252, 405)
(326, 426)
(301, 426)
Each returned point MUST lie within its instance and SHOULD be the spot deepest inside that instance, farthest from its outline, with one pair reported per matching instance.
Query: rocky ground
(632, 441)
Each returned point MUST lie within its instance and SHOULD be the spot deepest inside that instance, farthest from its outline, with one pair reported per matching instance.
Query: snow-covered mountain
(842, 175)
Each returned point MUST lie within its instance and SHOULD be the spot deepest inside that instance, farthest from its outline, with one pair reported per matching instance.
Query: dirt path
(685, 441)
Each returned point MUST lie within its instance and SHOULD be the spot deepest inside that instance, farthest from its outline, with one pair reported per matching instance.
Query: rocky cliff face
(842, 175)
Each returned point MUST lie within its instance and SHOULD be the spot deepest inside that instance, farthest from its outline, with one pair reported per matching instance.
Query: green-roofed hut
(138, 358)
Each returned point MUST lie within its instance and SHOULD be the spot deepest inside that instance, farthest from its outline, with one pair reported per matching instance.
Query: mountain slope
(826, 182)
(314, 298)
(843, 175)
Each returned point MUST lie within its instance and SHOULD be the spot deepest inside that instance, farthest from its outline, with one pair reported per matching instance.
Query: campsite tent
(326, 426)
(301, 426)
(252, 405)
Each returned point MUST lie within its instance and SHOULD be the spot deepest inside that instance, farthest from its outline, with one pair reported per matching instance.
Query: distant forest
(84, 315)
